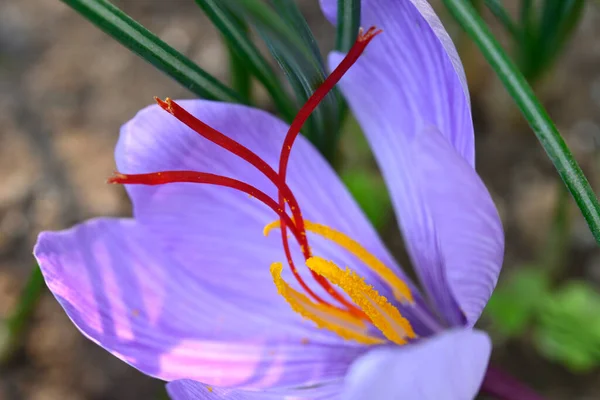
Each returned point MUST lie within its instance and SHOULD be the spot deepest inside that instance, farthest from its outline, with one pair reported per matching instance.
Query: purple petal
(122, 290)
(461, 225)
(217, 232)
(414, 71)
(409, 96)
(192, 390)
(450, 366)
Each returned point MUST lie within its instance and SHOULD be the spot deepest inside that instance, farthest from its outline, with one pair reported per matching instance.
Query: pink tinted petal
(126, 294)
(192, 390)
(450, 366)
(412, 71)
(216, 232)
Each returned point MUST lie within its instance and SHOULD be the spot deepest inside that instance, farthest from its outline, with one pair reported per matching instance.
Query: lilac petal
(465, 232)
(450, 366)
(216, 233)
(414, 71)
(409, 96)
(122, 290)
(192, 390)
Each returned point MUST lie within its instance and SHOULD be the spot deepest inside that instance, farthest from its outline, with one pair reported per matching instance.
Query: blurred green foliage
(513, 305)
(290, 41)
(563, 319)
(13, 328)
(540, 31)
(567, 329)
(370, 192)
(245, 57)
(348, 24)
(360, 176)
(564, 322)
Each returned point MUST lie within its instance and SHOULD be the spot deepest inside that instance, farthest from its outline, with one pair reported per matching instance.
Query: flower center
(379, 311)
(349, 319)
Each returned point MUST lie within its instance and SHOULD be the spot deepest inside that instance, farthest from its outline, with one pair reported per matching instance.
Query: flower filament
(362, 305)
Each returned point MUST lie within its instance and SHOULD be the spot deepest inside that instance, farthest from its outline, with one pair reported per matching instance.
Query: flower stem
(532, 110)
(504, 387)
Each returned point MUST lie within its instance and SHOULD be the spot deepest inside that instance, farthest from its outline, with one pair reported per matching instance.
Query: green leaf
(286, 40)
(264, 16)
(543, 29)
(323, 126)
(236, 34)
(514, 304)
(526, 17)
(569, 327)
(496, 7)
(571, 14)
(13, 328)
(370, 192)
(532, 110)
(289, 11)
(348, 23)
(557, 23)
(240, 77)
(148, 46)
(546, 29)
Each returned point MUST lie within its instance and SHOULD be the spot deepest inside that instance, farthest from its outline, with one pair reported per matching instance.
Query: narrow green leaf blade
(557, 23)
(289, 11)
(266, 17)
(571, 15)
(304, 79)
(532, 110)
(12, 329)
(141, 41)
(323, 127)
(348, 24)
(302, 67)
(240, 76)
(236, 35)
(496, 7)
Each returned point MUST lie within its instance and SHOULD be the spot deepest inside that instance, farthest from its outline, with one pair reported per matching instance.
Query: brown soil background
(66, 87)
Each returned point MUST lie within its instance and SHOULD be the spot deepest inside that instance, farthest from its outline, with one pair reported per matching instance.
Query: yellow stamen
(384, 316)
(269, 227)
(327, 317)
(399, 287)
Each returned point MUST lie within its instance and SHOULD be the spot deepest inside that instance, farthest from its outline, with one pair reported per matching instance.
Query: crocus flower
(183, 291)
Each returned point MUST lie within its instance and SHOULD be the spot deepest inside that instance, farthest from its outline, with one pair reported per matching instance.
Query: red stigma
(322, 91)
(296, 225)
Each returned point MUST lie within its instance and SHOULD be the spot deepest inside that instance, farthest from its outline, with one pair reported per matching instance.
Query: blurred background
(66, 88)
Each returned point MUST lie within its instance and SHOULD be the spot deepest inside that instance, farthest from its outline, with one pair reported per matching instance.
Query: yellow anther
(399, 288)
(326, 317)
(269, 227)
(383, 315)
